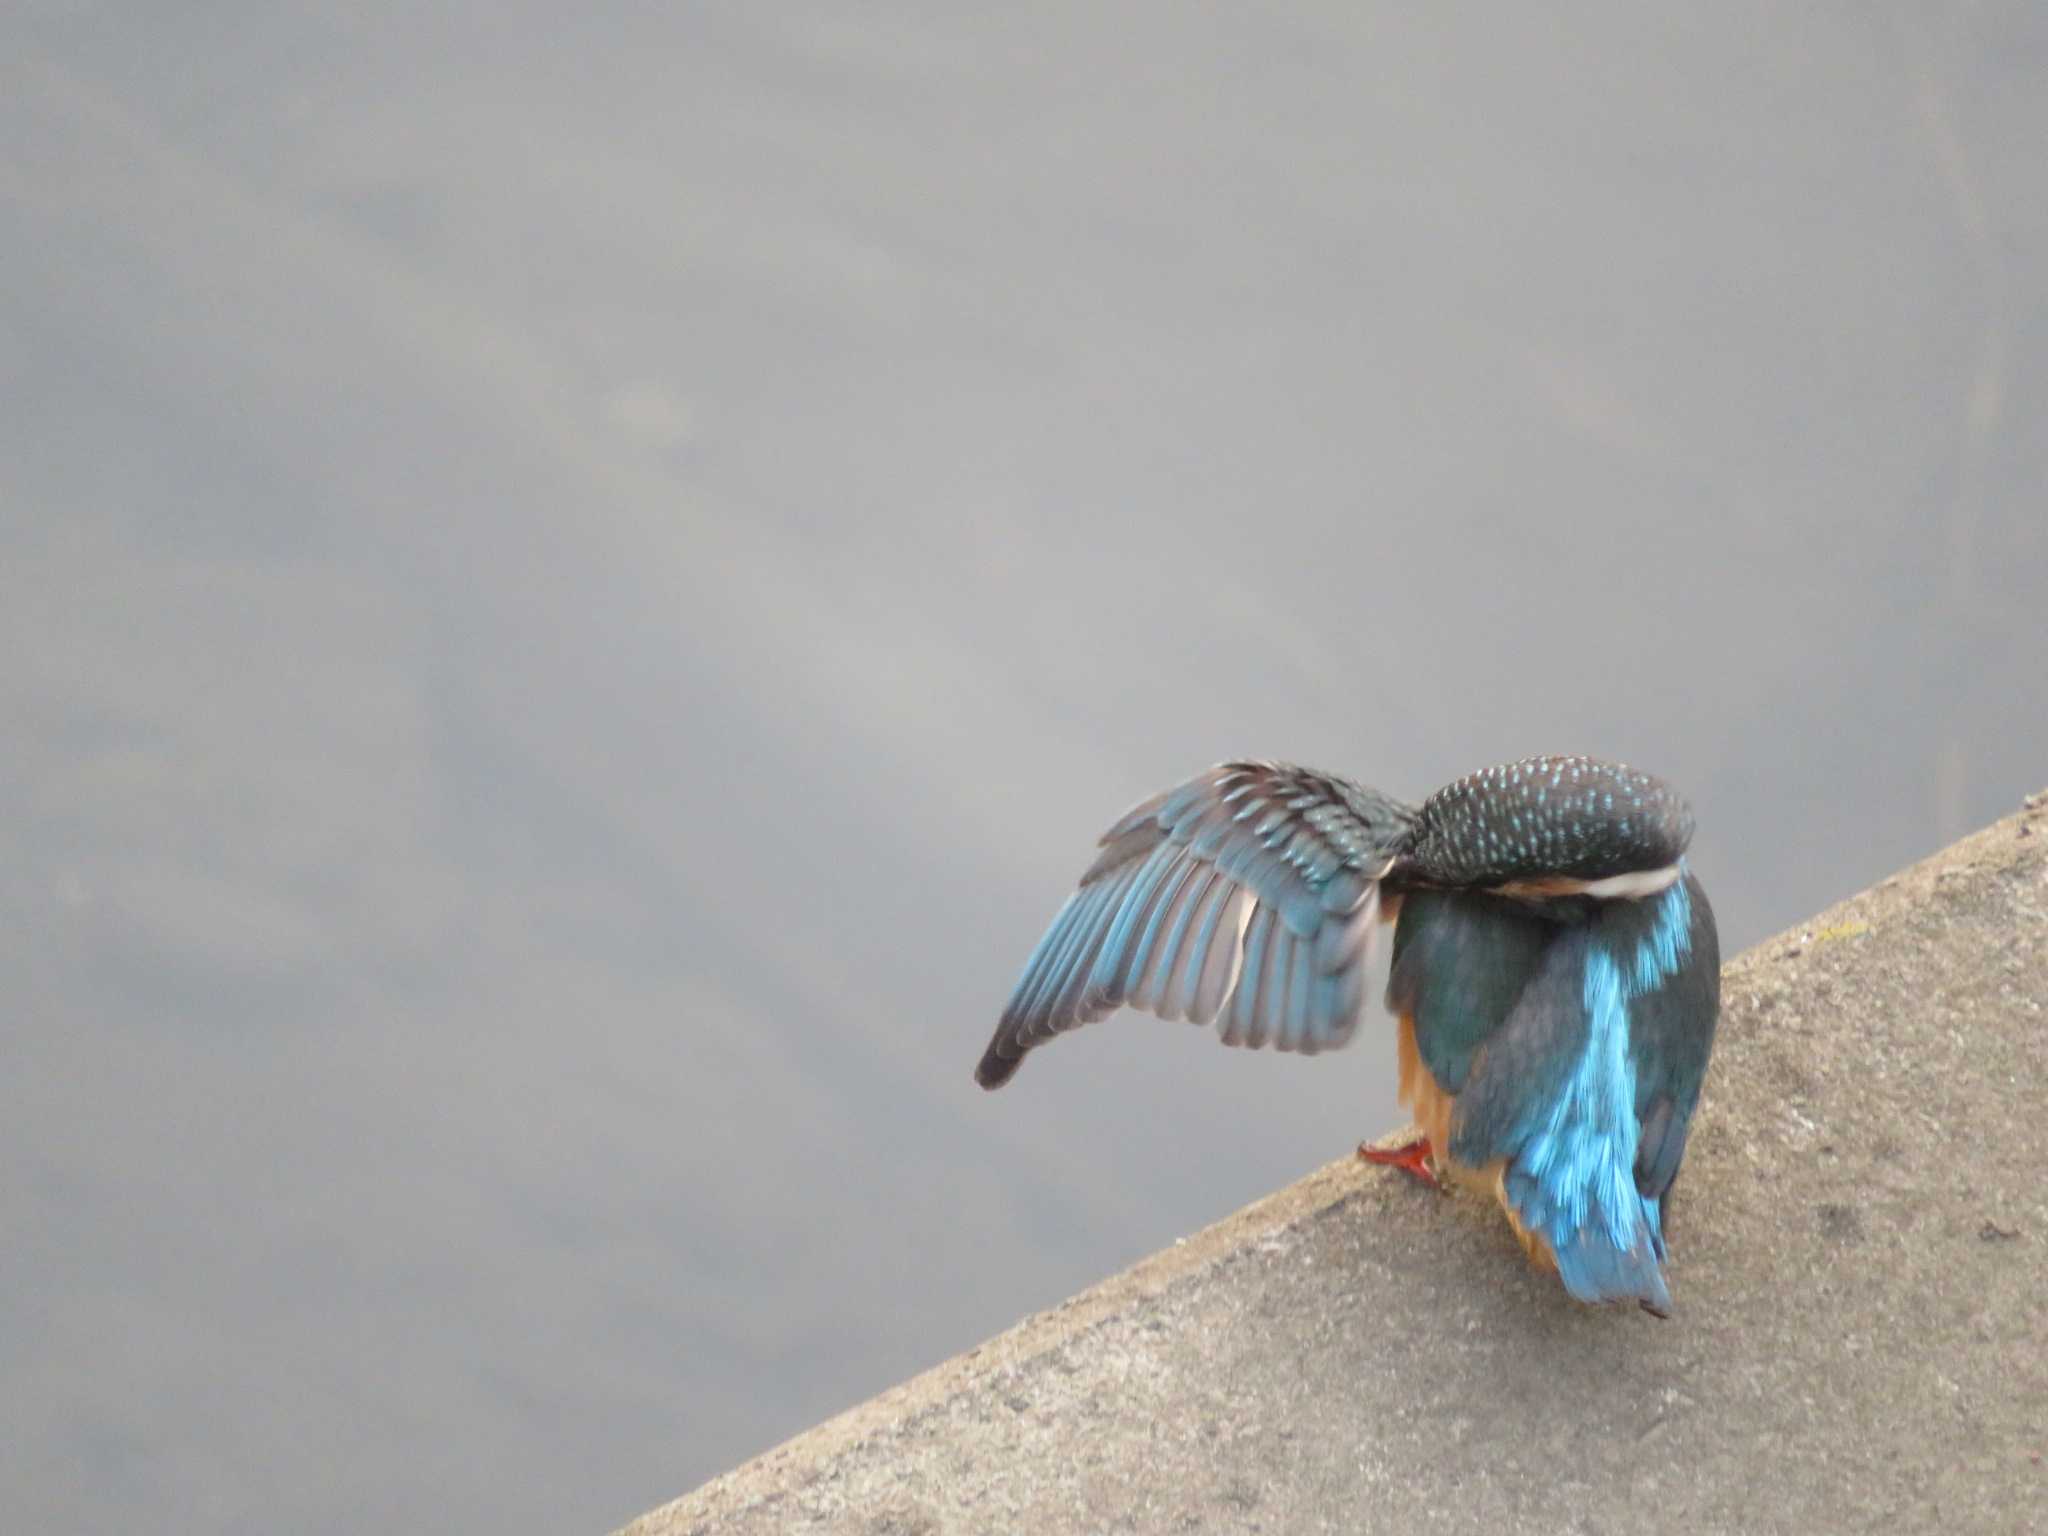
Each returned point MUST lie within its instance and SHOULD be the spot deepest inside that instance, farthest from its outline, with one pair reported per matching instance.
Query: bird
(1555, 975)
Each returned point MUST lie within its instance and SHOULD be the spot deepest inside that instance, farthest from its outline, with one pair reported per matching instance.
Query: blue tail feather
(1570, 1172)
(1593, 1269)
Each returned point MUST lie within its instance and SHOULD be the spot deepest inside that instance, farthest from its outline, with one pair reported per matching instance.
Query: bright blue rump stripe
(1572, 1179)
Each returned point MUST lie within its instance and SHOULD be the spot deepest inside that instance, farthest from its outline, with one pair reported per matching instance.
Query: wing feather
(1112, 975)
(1279, 982)
(1244, 1023)
(1671, 1038)
(1170, 924)
(1223, 958)
(1244, 898)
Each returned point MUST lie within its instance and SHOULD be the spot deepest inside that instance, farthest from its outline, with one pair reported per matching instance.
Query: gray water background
(578, 582)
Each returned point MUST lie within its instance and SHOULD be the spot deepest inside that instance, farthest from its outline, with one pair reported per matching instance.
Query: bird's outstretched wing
(1245, 898)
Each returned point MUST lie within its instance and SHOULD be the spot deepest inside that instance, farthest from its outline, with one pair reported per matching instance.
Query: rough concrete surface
(1860, 1262)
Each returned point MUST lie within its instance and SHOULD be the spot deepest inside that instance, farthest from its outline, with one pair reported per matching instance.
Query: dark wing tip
(996, 1069)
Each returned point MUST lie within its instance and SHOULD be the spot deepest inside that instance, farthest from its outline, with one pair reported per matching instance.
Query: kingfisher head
(1553, 825)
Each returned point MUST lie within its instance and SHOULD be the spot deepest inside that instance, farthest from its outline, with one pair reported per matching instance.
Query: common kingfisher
(1556, 974)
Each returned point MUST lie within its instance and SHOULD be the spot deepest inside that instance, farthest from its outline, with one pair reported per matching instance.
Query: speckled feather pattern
(1570, 817)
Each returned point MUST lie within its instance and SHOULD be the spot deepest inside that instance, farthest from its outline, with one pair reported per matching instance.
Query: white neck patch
(1631, 886)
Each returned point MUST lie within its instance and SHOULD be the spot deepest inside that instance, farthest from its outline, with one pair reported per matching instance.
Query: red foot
(1411, 1158)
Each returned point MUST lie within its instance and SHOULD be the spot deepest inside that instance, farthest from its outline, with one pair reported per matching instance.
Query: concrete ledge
(1860, 1244)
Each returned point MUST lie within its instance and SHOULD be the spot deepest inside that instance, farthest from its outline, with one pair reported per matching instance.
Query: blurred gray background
(578, 583)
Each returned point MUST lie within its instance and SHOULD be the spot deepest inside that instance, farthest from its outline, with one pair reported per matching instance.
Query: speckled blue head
(1573, 818)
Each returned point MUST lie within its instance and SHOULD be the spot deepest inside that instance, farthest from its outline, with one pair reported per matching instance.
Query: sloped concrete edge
(751, 1492)
(768, 1475)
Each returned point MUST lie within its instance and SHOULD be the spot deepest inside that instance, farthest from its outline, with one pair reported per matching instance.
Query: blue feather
(1043, 969)
(1078, 930)
(1077, 998)
(1187, 904)
(1163, 933)
(1109, 978)
(1301, 1028)
(1198, 951)
(1162, 891)
(1245, 1025)
(1273, 991)
(1571, 1167)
